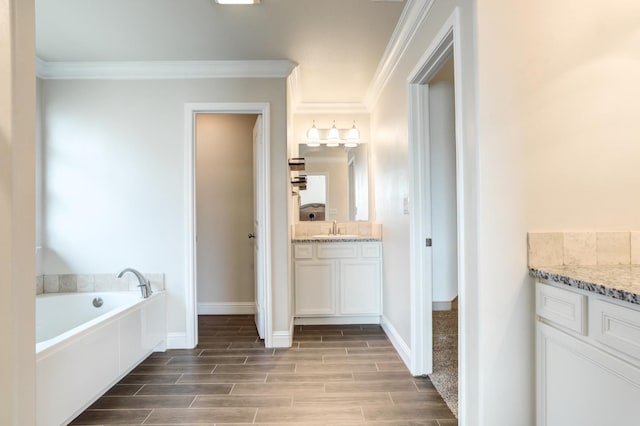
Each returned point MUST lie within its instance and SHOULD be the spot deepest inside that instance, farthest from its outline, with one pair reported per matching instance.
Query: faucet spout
(144, 284)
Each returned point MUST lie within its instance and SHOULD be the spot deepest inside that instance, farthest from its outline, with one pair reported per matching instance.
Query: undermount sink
(335, 236)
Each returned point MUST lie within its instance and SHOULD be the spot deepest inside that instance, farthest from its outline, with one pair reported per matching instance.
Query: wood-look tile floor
(333, 375)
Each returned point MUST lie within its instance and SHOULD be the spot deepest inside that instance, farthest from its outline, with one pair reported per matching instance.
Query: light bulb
(313, 135)
(353, 137)
(334, 134)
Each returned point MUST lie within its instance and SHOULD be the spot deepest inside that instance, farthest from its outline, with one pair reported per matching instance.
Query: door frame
(264, 216)
(446, 44)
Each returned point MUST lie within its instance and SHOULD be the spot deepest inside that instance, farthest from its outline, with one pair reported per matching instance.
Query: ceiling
(336, 43)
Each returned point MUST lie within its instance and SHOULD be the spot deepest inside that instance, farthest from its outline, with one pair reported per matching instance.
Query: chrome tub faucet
(144, 284)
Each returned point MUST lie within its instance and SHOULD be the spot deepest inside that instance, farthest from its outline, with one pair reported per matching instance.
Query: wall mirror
(339, 174)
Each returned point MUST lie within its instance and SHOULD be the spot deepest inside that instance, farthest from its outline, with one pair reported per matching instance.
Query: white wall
(391, 165)
(115, 178)
(224, 210)
(389, 127)
(442, 157)
(17, 213)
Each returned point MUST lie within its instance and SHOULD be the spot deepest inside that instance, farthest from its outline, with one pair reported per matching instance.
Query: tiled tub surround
(364, 230)
(606, 263)
(86, 283)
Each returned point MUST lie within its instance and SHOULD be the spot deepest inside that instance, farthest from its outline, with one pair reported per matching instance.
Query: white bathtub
(82, 351)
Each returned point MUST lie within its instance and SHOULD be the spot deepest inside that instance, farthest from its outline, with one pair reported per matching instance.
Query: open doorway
(225, 214)
(444, 250)
(251, 239)
(437, 236)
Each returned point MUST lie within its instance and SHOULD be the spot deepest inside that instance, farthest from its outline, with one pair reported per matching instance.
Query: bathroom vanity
(337, 280)
(587, 345)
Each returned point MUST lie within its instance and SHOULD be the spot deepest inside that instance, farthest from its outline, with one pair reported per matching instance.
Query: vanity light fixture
(332, 137)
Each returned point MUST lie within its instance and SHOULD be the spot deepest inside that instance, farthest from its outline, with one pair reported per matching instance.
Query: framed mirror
(342, 175)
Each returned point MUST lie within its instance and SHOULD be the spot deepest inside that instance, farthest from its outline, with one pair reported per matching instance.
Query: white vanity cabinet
(588, 358)
(337, 282)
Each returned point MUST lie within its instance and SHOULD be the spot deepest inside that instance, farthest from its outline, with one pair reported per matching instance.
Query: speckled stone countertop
(620, 282)
(329, 239)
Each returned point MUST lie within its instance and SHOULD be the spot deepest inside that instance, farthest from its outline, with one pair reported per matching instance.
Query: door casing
(445, 45)
(262, 188)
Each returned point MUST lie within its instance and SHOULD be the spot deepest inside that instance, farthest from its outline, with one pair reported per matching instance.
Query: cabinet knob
(252, 235)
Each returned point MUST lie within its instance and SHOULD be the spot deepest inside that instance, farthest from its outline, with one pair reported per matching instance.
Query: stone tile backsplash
(583, 248)
(364, 229)
(77, 283)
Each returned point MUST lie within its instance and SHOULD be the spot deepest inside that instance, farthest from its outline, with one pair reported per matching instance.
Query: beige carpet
(445, 355)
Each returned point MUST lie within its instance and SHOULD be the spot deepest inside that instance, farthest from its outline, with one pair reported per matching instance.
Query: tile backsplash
(77, 283)
(583, 248)
(364, 229)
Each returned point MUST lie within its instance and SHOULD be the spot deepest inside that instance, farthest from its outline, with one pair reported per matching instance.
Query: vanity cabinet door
(359, 287)
(315, 287)
(579, 384)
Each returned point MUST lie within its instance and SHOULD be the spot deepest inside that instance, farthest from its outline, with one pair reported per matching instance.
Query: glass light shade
(313, 144)
(313, 135)
(333, 144)
(349, 144)
(353, 137)
(334, 134)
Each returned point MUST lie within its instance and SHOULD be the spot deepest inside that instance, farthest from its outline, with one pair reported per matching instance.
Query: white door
(257, 235)
(427, 259)
(421, 255)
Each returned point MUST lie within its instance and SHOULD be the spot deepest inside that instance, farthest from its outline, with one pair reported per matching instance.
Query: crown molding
(149, 70)
(293, 85)
(300, 107)
(331, 108)
(414, 13)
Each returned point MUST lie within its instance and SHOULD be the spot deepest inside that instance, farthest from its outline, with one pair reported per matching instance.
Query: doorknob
(252, 235)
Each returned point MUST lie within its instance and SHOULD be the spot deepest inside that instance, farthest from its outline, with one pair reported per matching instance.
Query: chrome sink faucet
(145, 285)
(334, 228)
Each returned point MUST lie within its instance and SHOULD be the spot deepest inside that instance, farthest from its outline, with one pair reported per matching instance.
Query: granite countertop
(620, 282)
(336, 239)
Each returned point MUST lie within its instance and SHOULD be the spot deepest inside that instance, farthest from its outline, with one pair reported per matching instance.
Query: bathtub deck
(346, 375)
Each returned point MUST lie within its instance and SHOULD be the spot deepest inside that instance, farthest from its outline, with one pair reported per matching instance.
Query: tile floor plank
(303, 414)
(179, 416)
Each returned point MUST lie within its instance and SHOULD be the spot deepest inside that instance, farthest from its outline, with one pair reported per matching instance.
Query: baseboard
(369, 319)
(398, 343)
(281, 339)
(177, 341)
(227, 308)
(441, 306)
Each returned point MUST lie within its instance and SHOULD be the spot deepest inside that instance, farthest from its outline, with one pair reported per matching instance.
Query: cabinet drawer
(370, 250)
(562, 307)
(615, 326)
(303, 251)
(338, 250)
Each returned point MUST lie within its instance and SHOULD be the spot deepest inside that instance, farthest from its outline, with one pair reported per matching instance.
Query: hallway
(340, 375)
